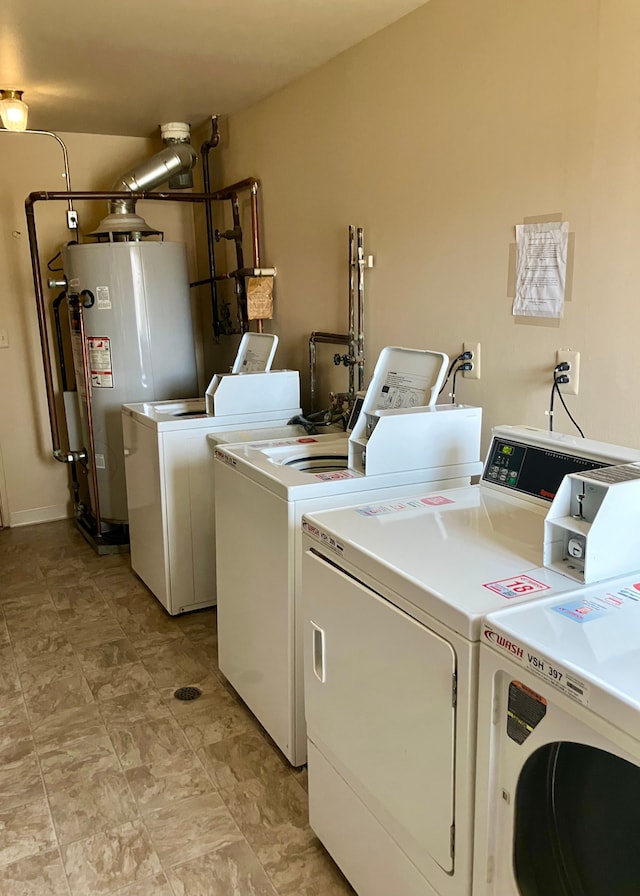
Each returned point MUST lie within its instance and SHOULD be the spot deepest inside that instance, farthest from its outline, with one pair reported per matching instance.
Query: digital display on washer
(531, 470)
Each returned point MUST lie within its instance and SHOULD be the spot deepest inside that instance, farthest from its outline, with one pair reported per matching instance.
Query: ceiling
(126, 66)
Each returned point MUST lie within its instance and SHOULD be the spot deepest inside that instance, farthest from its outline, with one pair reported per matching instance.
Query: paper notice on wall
(541, 268)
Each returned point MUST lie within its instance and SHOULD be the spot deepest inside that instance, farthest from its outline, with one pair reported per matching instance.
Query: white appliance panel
(357, 836)
(255, 615)
(379, 690)
(139, 342)
(450, 554)
(251, 514)
(171, 507)
(143, 462)
(500, 761)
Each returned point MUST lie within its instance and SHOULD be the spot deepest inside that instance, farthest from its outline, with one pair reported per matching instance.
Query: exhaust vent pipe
(178, 133)
(172, 164)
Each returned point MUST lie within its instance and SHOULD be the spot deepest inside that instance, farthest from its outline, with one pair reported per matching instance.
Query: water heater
(132, 340)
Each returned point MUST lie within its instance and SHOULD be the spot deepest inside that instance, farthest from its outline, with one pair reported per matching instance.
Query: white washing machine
(262, 490)
(169, 470)
(394, 594)
(558, 775)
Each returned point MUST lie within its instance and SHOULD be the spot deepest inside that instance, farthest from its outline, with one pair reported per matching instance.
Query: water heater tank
(139, 346)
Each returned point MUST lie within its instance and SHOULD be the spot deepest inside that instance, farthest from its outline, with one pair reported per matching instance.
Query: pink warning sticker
(517, 586)
(436, 500)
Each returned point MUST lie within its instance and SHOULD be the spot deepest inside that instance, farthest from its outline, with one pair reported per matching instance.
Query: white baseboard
(39, 515)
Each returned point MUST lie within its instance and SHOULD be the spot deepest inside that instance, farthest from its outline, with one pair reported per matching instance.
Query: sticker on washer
(323, 537)
(403, 390)
(103, 299)
(220, 455)
(401, 506)
(336, 474)
(539, 665)
(525, 710)
(99, 350)
(517, 586)
(100, 462)
(590, 609)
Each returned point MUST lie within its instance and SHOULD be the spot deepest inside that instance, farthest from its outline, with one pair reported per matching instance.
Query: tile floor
(108, 784)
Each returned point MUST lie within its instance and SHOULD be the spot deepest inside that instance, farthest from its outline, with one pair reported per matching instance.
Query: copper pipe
(95, 195)
(44, 339)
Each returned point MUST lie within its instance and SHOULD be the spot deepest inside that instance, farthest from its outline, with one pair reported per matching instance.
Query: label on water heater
(103, 299)
(99, 351)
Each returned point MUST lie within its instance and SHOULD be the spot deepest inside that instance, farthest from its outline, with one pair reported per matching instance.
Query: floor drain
(187, 693)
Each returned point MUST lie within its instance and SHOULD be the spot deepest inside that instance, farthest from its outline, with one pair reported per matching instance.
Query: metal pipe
(255, 225)
(96, 195)
(328, 339)
(154, 171)
(352, 297)
(44, 339)
(65, 156)
(87, 393)
(206, 147)
(360, 346)
(56, 315)
(241, 289)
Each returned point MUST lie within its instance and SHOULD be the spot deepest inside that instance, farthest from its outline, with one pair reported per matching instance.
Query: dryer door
(379, 706)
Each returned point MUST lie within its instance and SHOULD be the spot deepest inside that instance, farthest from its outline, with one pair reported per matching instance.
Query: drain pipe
(206, 147)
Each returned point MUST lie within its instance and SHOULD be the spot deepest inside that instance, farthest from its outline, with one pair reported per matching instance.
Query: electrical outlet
(474, 348)
(573, 360)
(4, 339)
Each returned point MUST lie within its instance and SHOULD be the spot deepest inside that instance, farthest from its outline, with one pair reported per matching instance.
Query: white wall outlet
(474, 348)
(4, 338)
(573, 360)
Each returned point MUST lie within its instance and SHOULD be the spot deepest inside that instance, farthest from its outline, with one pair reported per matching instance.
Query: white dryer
(261, 492)
(394, 593)
(169, 469)
(558, 775)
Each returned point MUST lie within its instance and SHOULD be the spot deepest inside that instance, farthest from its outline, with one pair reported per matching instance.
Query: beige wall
(437, 136)
(34, 486)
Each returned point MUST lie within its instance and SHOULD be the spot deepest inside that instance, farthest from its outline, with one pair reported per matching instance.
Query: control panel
(531, 469)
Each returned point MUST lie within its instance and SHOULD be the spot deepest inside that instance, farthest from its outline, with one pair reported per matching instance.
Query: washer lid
(255, 353)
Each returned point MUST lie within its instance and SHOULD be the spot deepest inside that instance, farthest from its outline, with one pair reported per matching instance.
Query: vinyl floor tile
(110, 860)
(108, 784)
(148, 741)
(126, 709)
(39, 875)
(242, 757)
(25, 831)
(20, 782)
(191, 828)
(232, 870)
(158, 784)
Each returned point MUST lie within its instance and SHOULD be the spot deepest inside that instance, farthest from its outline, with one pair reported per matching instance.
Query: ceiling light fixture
(13, 111)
